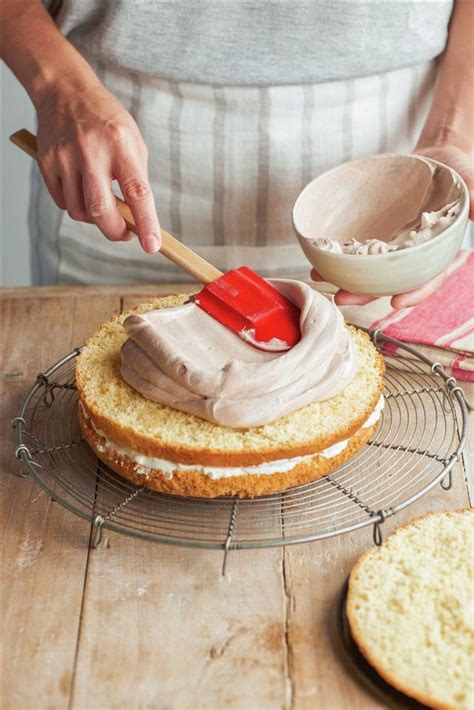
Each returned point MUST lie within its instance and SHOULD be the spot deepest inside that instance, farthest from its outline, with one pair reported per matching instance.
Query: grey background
(17, 112)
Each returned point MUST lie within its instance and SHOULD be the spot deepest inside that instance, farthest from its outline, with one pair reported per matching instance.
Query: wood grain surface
(134, 624)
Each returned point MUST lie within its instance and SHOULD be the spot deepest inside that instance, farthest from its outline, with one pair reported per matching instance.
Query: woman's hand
(86, 139)
(400, 300)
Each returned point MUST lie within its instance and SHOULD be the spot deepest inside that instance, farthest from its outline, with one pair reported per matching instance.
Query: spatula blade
(248, 305)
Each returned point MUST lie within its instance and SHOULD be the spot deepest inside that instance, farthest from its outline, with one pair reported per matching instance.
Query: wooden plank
(44, 559)
(131, 300)
(38, 292)
(35, 334)
(45, 547)
(162, 628)
(315, 574)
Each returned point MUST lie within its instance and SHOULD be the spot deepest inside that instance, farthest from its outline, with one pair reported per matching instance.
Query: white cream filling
(146, 463)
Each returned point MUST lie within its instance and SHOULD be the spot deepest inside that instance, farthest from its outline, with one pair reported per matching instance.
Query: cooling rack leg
(23, 454)
(97, 531)
(228, 542)
(224, 561)
(446, 483)
(382, 515)
(22, 472)
(377, 534)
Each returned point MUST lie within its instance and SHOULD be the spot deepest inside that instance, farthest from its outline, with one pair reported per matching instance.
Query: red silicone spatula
(250, 306)
(240, 299)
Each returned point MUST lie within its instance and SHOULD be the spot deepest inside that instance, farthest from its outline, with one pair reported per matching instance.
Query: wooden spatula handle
(174, 250)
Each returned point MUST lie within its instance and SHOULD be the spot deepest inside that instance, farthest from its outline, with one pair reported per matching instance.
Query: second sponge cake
(411, 612)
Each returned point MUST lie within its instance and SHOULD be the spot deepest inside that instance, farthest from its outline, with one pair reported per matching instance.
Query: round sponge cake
(174, 452)
(410, 609)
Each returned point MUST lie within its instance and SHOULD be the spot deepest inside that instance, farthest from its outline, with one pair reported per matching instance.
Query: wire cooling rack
(419, 438)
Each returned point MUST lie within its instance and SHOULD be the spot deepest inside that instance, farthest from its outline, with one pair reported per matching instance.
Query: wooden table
(139, 625)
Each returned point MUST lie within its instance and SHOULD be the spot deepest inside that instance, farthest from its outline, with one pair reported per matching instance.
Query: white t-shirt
(256, 43)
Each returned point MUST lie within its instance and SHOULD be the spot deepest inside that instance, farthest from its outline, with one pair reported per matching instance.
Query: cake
(178, 452)
(411, 612)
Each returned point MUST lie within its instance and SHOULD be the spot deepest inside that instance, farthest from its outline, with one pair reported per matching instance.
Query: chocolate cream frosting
(430, 224)
(385, 203)
(183, 358)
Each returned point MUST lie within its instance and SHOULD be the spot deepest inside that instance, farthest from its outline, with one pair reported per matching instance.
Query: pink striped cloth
(442, 328)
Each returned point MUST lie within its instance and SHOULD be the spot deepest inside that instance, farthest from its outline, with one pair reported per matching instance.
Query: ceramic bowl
(373, 274)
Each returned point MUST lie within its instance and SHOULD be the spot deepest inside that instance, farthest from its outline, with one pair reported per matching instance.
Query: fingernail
(151, 243)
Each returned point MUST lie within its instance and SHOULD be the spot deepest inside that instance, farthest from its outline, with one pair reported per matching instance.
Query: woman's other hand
(455, 157)
(86, 139)
(447, 135)
(400, 300)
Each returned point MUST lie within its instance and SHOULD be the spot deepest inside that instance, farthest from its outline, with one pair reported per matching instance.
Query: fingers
(418, 295)
(136, 190)
(87, 197)
(316, 276)
(79, 172)
(101, 208)
(53, 181)
(344, 298)
(401, 300)
(64, 183)
(73, 195)
(55, 188)
(79, 175)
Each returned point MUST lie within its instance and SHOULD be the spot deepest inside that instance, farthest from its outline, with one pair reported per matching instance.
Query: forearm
(86, 139)
(451, 118)
(36, 51)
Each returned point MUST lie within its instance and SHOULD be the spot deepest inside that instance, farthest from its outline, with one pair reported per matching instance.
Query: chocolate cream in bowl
(380, 204)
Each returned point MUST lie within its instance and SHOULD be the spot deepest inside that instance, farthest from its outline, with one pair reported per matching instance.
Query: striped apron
(226, 165)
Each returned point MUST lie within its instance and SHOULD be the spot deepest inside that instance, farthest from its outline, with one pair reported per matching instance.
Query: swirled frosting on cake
(183, 358)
